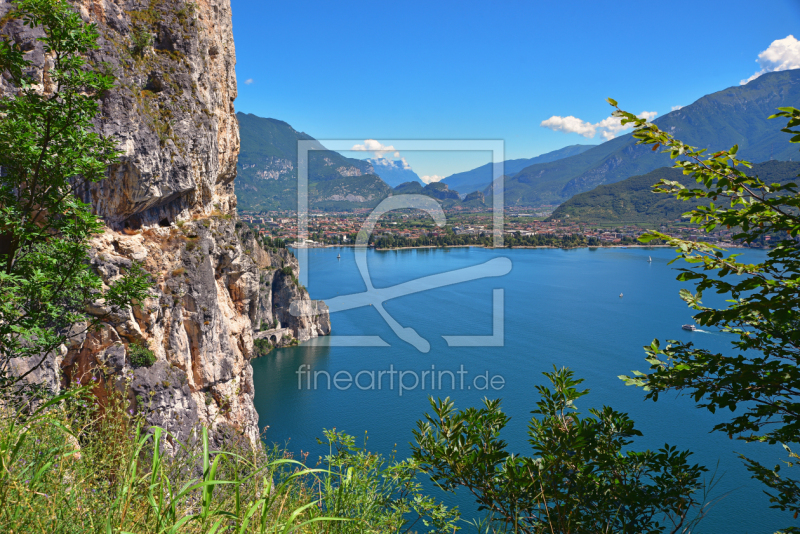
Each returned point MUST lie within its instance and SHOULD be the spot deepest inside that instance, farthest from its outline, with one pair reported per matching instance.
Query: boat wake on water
(693, 328)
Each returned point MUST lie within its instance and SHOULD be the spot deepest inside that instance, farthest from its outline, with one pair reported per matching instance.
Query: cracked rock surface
(170, 204)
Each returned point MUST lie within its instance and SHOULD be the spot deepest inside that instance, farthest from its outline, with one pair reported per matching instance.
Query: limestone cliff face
(172, 112)
(170, 204)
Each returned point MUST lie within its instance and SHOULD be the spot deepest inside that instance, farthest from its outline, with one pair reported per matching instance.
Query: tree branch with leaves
(758, 381)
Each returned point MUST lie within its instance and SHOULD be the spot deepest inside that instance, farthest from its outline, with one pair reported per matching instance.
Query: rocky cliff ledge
(170, 204)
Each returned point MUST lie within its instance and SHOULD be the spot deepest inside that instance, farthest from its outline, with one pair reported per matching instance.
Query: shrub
(140, 356)
(141, 39)
(261, 347)
(374, 493)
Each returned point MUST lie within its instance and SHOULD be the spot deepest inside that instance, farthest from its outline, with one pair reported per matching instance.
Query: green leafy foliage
(262, 346)
(582, 476)
(376, 494)
(50, 155)
(141, 39)
(140, 356)
(759, 380)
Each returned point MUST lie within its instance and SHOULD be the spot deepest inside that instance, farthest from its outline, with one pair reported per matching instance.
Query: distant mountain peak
(394, 171)
(399, 164)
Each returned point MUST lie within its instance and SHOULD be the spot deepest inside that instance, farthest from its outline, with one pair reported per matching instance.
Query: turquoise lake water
(561, 307)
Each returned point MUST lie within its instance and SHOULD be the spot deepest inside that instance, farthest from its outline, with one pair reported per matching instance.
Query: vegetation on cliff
(50, 155)
(85, 460)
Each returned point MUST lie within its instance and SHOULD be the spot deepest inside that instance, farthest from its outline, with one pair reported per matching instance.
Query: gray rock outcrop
(170, 204)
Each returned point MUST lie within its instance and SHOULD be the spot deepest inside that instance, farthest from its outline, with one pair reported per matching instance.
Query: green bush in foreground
(582, 478)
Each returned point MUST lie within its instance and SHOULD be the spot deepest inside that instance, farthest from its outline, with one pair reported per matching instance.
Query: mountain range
(478, 179)
(267, 171)
(736, 115)
(267, 174)
(632, 200)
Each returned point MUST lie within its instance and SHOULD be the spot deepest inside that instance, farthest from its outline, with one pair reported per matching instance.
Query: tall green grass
(71, 466)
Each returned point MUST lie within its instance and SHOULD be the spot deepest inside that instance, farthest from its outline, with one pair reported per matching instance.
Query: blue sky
(491, 70)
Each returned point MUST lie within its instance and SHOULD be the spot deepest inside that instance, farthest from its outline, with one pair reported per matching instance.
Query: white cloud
(403, 160)
(782, 54)
(432, 178)
(570, 124)
(676, 108)
(248, 81)
(379, 149)
(608, 127)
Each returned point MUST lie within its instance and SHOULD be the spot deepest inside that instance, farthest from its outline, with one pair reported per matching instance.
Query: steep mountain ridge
(736, 115)
(479, 178)
(267, 178)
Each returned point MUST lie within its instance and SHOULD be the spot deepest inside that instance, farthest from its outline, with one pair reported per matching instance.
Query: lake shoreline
(513, 247)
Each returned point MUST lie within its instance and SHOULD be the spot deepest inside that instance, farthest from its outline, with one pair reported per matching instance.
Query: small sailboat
(649, 259)
(338, 256)
(620, 295)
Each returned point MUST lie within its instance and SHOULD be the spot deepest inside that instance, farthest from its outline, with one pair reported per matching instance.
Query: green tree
(582, 478)
(759, 380)
(50, 154)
